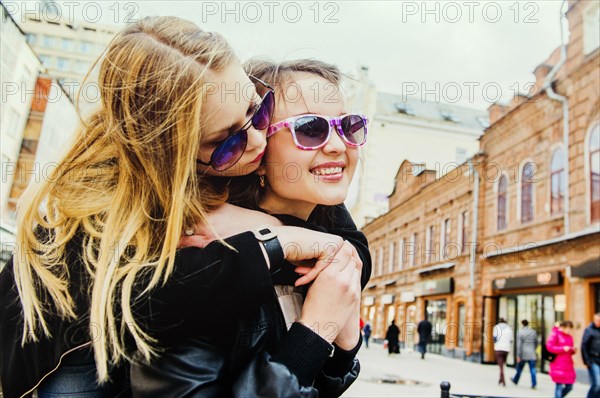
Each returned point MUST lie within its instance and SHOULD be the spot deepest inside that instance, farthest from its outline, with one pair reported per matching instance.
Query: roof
(412, 107)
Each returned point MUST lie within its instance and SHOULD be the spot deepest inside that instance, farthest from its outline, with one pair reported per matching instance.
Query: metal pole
(445, 387)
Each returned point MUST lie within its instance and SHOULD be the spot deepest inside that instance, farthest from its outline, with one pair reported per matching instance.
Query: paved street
(422, 377)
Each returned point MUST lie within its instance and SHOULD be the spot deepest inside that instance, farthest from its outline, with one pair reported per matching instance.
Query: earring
(189, 231)
(261, 179)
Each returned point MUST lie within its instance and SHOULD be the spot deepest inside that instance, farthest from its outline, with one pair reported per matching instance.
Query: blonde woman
(102, 232)
(316, 137)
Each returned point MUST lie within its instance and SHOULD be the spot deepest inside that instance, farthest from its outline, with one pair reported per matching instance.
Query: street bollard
(445, 387)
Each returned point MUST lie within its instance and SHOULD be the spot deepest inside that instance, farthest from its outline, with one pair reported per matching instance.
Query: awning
(371, 286)
(389, 282)
(587, 269)
(436, 268)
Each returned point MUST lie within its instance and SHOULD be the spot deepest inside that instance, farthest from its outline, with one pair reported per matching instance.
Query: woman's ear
(261, 170)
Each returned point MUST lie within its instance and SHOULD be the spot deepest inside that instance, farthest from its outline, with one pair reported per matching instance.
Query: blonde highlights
(128, 185)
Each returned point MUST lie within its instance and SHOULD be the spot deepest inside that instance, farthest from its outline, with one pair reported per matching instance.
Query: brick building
(533, 193)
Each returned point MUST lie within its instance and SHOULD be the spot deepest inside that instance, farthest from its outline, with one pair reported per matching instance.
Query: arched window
(502, 202)
(527, 192)
(557, 181)
(595, 173)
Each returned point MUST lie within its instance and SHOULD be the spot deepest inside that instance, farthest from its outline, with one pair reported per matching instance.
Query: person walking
(562, 370)
(527, 341)
(503, 338)
(367, 333)
(392, 337)
(590, 352)
(424, 329)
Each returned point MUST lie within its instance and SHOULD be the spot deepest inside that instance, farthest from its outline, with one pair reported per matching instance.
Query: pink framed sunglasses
(311, 132)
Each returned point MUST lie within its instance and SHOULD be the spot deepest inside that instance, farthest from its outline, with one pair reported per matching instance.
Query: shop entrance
(436, 314)
(541, 310)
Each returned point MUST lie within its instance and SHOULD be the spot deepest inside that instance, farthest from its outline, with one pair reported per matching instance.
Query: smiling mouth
(327, 171)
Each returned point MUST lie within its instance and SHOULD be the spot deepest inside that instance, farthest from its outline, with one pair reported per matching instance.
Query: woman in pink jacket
(562, 370)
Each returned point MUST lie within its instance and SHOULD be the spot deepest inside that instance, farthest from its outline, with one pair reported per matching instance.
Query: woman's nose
(256, 138)
(335, 143)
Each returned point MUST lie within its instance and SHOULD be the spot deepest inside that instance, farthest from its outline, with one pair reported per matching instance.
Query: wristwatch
(268, 237)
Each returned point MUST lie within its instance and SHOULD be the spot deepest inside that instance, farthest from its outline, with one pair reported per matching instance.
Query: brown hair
(566, 324)
(246, 191)
(128, 185)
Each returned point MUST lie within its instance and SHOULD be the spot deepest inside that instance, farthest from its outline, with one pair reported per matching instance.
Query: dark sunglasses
(312, 132)
(230, 151)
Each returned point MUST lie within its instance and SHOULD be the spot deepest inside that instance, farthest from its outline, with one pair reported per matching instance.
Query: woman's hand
(227, 220)
(300, 245)
(334, 296)
(348, 337)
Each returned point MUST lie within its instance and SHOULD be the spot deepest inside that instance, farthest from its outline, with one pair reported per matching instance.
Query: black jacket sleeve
(344, 226)
(339, 222)
(205, 284)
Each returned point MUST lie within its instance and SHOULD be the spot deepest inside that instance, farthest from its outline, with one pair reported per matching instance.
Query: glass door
(436, 313)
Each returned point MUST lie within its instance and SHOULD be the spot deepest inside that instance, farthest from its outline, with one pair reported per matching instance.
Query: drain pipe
(565, 108)
(473, 171)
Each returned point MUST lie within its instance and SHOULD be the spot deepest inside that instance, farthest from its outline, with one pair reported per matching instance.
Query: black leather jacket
(262, 359)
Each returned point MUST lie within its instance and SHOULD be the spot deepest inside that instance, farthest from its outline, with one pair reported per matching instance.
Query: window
(557, 181)
(67, 44)
(49, 41)
(12, 124)
(5, 167)
(594, 144)
(404, 108)
(463, 233)
(30, 37)
(380, 260)
(46, 60)
(462, 317)
(445, 237)
(591, 26)
(85, 47)
(429, 244)
(502, 185)
(401, 253)
(527, 192)
(449, 116)
(62, 63)
(391, 260)
(460, 155)
(413, 249)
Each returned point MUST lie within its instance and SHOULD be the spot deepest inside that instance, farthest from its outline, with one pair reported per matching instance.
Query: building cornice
(594, 229)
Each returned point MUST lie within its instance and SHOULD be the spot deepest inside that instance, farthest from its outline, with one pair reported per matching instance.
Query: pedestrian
(367, 333)
(503, 338)
(590, 352)
(562, 370)
(391, 336)
(527, 341)
(424, 329)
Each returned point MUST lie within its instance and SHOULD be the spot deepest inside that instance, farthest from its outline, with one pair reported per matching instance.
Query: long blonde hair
(128, 185)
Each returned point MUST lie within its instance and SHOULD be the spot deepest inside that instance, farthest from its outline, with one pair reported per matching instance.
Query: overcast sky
(465, 52)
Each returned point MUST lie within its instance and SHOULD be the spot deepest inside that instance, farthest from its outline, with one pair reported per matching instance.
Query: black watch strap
(268, 237)
(275, 253)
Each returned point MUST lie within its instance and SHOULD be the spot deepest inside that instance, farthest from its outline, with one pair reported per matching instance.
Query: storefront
(589, 273)
(538, 298)
(437, 295)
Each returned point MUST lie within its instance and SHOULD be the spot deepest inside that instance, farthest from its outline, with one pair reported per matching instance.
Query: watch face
(264, 231)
